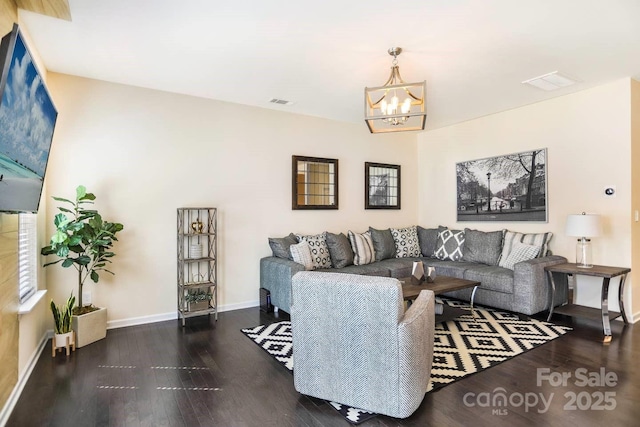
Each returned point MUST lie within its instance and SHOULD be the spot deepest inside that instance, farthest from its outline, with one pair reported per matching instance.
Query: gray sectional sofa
(469, 254)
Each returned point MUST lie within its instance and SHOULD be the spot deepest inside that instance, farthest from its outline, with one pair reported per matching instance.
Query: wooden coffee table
(411, 288)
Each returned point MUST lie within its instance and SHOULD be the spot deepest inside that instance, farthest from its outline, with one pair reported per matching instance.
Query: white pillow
(406, 240)
(301, 254)
(519, 252)
(362, 245)
(319, 249)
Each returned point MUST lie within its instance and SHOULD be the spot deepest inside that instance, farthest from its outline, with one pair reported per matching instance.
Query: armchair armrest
(531, 288)
(415, 342)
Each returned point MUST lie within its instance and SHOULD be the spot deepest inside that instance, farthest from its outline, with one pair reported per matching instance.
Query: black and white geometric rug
(462, 346)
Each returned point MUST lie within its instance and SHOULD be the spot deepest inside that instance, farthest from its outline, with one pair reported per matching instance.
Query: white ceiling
(321, 54)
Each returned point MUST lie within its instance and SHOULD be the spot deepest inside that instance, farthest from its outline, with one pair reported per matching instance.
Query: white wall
(145, 153)
(588, 139)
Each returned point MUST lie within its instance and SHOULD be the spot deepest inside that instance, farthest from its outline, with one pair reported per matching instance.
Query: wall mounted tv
(27, 120)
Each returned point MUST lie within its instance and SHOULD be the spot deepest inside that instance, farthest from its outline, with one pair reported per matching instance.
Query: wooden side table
(570, 309)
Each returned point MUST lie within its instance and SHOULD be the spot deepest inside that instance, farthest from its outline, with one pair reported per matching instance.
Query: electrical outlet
(86, 297)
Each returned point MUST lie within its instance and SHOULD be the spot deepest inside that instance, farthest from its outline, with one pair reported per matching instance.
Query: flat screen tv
(27, 120)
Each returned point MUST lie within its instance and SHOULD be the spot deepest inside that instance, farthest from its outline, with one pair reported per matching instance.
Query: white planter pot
(90, 327)
(61, 339)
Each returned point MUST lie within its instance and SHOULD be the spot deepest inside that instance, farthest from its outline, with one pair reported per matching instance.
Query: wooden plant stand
(71, 343)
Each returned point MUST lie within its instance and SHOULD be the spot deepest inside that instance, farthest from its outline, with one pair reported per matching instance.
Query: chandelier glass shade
(395, 106)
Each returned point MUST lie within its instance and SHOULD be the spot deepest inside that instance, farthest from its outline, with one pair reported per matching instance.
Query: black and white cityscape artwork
(503, 188)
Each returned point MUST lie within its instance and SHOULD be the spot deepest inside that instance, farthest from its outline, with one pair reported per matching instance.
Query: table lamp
(583, 226)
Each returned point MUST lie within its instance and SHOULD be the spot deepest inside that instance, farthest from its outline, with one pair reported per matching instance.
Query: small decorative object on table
(431, 274)
(418, 271)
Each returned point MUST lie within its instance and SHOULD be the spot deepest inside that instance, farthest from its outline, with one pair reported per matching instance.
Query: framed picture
(512, 187)
(381, 186)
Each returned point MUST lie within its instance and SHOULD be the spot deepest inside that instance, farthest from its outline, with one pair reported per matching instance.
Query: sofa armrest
(531, 287)
(275, 275)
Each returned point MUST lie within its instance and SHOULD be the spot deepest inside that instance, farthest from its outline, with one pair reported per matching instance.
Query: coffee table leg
(473, 295)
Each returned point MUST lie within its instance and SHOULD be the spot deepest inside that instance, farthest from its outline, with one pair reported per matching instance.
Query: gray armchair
(353, 342)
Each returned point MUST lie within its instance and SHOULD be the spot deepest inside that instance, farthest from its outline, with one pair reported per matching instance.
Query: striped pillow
(519, 252)
(301, 254)
(510, 237)
(362, 246)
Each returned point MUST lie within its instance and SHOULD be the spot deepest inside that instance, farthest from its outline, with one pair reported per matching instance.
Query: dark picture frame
(314, 183)
(382, 186)
(511, 187)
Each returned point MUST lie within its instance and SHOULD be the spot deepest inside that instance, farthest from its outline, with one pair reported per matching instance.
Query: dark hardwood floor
(210, 374)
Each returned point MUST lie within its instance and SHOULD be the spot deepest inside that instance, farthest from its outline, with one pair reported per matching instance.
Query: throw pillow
(280, 245)
(362, 245)
(519, 252)
(319, 249)
(340, 250)
(428, 238)
(301, 254)
(406, 242)
(482, 247)
(540, 239)
(383, 244)
(450, 243)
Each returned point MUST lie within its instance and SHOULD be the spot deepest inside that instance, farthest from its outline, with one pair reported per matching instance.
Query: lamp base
(583, 253)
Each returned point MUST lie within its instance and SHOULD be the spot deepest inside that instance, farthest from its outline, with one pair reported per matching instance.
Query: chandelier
(396, 106)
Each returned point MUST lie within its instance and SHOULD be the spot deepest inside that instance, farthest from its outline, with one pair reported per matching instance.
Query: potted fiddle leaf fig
(83, 240)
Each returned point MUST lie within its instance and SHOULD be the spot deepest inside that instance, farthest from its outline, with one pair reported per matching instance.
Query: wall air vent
(281, 101)
(550, 81)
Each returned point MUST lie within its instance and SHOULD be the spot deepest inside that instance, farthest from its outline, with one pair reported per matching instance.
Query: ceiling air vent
(550, 81)
(281, 101)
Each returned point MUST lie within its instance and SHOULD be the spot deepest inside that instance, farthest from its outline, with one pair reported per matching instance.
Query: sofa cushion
(319, 249)
(482, 247)
(374, 269)
(280, 245)
(399, 267)
(301, 254)
(450, 243)
(383, 244)
(362, 245)
(538, 239)
(428, 239)
(406, 242)
(519, 252)
(340, 250)
(449, 268)
(491, 278)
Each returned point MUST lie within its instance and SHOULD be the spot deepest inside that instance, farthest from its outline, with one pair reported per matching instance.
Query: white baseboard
(22, 379)
(133, 321)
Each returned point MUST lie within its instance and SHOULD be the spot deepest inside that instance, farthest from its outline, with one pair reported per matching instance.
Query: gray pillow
(340, 250)
(482, 247)
(428, 238)
(383, 244)
(280, 245)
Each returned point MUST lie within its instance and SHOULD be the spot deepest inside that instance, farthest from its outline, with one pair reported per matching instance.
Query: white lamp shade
(584, 225)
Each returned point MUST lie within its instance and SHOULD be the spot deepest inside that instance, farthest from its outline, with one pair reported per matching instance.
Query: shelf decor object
(197, 262)
(395, 106)
(583, 226)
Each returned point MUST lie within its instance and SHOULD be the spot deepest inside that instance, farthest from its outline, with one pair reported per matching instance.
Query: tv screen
(27, 120)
